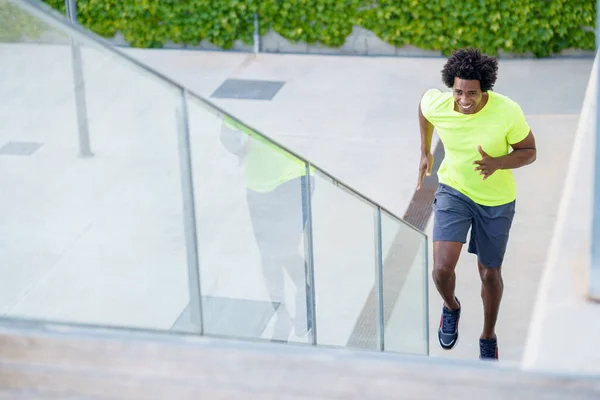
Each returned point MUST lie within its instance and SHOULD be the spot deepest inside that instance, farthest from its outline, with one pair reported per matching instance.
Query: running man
(477, 190)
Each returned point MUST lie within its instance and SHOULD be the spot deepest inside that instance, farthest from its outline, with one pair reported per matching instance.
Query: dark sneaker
(488, 349)
(448, 331)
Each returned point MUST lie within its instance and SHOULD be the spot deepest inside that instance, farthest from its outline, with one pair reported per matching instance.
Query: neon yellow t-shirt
(495, 127)
(267, 166)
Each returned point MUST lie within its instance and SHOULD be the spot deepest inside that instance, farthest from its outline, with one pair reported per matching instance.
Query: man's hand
(425, 168)
(487, 165)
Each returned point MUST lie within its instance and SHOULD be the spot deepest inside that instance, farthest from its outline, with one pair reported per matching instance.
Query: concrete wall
(565, 326)
(361, 42)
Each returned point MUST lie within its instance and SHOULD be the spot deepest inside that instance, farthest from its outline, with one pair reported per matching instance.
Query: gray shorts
(455, 213)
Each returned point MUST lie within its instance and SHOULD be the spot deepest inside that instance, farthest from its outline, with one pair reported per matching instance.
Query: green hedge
(15, 23)
(152, 23)
(542, 27)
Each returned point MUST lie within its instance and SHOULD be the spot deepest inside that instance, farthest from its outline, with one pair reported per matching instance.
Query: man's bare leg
(445, 258)
(492, 287)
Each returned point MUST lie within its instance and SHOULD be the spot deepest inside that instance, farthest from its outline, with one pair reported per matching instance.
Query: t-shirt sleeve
(519, 128)
(428, 101)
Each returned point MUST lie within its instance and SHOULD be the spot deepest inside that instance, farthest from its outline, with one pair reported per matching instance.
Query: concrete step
(69, 362)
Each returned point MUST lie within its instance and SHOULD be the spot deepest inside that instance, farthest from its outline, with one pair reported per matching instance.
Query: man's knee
(490, 276)
(445, 258)
(444, 267)
(443, 270)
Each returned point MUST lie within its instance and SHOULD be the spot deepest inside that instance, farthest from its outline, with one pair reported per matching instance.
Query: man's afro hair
(471, 64)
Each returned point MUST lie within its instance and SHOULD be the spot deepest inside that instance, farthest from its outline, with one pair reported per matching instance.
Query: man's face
(467, 95)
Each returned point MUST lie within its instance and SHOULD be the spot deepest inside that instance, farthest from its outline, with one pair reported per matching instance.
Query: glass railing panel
(345, 266)
(405, 278)
(92, 223)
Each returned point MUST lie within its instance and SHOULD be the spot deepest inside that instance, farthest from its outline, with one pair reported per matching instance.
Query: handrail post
(189, 214)
(379, 278)
(79, 86)
(256, 37)
(309, 252)
(594, 273)
(426, 295)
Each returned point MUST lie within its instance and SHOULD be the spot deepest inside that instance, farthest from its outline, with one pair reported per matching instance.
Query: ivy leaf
(519, 26)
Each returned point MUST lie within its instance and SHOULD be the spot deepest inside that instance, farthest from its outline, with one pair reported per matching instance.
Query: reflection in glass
(275, 186)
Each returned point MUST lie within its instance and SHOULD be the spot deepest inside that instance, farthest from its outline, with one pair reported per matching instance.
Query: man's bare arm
(426, 163)
(426, 129)
(524, 153)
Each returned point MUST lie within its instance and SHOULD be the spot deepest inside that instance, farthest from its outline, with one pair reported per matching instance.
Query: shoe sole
(453, 344)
